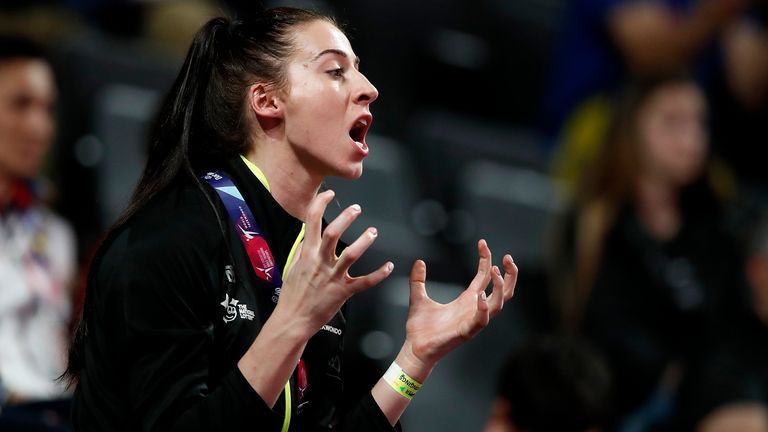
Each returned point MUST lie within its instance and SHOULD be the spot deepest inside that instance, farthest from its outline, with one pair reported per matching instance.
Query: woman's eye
(337, 73)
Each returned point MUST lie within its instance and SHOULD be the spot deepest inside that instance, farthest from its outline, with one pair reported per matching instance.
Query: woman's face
(326, 103)
(672, 133)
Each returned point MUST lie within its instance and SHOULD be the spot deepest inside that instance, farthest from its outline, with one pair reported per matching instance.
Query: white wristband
(401, 382)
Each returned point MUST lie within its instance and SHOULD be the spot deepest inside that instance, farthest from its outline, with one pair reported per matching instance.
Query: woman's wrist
(411, 364)
(394, 391)
(273, 355)
(292, 325)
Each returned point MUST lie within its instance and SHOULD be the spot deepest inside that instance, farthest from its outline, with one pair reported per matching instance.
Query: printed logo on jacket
(234, 309)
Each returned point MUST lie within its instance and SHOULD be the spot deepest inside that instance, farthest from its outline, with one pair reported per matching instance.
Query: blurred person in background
(605, 42)
(739, 101)
(756, 269)
(552, 384)
(728, 390)
(649, 272)
(37, 254)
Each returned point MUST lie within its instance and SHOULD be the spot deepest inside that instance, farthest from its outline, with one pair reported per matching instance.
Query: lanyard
(262, 260)
(255, 244)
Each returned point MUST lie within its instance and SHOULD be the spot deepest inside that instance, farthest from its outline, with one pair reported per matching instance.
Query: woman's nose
(368, 92)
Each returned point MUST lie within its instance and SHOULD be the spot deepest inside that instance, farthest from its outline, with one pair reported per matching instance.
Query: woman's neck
(290, 183)
(658, 207)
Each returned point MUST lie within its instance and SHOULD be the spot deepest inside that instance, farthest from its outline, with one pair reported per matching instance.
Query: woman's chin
(352, 172)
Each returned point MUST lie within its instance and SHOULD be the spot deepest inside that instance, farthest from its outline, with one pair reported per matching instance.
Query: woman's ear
(264, 102)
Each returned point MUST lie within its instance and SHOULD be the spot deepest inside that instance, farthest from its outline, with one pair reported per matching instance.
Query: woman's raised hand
(435, 329)
(318, 282)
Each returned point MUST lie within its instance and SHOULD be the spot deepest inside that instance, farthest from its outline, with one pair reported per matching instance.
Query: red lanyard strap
(262, 260)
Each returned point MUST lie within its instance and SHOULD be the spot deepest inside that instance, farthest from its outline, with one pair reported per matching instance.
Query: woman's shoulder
(171, 252)
(182, 214)
(181, 226)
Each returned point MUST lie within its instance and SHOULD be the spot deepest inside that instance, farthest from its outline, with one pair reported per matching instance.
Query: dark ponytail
(174, 129)
(204, 119)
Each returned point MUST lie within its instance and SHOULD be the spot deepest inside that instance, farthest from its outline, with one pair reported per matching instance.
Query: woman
(185, 328)
(652, 267)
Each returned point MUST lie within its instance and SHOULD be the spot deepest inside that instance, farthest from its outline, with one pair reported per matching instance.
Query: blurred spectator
(739, 95)
(757, 271)
(603, 42)
(37, 256)
(728, 391)
(551, 385)
(744, 417)
(649, 270)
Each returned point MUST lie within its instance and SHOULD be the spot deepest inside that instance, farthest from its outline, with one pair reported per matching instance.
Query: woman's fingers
(418, 282)
(354, 251)
(362, 283)
(334, 230)
(481, 318)
(496, 299)
(503, 289)
(481, 279)
(510, 276)
(314, 219)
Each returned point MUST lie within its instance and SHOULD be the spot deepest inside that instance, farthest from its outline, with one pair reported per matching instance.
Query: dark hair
(16, 47)
(556, 384)
(203, 119)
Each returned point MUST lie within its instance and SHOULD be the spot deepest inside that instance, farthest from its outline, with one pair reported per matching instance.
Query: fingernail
(355, 207)
(496, 270)
(483, 296)
(390, 267)
(373, 231)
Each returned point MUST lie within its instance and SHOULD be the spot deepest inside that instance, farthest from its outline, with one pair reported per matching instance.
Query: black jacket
(161, 352)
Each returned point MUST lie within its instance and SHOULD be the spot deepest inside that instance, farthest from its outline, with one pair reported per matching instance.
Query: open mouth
(358, 131)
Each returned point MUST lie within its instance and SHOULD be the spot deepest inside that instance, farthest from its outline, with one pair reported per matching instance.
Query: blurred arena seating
(112, 88)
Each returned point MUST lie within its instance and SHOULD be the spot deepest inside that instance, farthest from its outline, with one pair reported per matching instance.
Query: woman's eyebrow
(336, 52)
